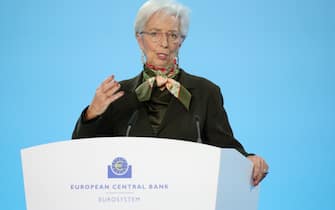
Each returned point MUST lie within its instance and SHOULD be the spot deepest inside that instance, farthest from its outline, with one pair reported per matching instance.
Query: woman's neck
(167, 69)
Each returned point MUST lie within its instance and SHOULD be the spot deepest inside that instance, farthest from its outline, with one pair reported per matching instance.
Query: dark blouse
(157, 106)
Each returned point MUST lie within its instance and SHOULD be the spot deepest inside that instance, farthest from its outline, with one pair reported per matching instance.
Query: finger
(112, 90)
(257, 174)
(257, 168)
(259, 179)
(106, 86)
(101, 102)
(263, 172)
(262, 166)
(108, 79)
(266, 166)
(115, 96)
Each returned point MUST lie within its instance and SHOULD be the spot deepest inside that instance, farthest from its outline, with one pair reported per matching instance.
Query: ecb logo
(119, 169)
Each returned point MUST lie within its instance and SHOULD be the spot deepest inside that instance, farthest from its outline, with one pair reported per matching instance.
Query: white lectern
(131, 173)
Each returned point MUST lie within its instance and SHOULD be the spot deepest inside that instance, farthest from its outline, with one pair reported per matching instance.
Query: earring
(177, 59)
(143, 58)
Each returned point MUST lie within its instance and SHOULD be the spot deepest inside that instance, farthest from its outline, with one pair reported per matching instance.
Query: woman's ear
(139, 39)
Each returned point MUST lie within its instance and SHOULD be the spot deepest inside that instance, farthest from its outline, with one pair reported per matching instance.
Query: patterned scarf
(162, 79)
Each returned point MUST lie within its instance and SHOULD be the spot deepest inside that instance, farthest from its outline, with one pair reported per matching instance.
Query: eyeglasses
(155, 36)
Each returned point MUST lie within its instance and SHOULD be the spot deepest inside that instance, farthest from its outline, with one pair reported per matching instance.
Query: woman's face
(157, 40)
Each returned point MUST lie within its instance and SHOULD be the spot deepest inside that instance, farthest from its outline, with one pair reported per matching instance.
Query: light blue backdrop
(273, 59)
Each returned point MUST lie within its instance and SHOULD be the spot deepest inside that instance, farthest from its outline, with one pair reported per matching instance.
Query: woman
(163, 100)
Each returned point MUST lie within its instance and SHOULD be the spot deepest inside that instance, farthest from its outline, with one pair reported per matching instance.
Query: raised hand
(106, 93)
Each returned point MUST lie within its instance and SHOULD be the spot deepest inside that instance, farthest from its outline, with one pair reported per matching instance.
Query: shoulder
(193, 81)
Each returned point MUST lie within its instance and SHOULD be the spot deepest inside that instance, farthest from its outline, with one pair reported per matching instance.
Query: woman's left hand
(260, 169)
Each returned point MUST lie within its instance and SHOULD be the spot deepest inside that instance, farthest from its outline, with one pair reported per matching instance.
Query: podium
(135, 173)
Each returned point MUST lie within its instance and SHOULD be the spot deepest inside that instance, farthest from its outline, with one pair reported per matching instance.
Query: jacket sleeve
(217, 128)
(85, 128)
(112, 122)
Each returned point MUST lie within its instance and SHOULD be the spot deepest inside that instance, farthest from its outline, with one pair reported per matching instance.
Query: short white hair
(170, 7)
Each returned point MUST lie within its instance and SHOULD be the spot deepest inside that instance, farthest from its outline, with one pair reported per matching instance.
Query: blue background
(273, 59)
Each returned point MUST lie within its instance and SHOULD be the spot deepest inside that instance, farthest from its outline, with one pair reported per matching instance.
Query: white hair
(170, 7)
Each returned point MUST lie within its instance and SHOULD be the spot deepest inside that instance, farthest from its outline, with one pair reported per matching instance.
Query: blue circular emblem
(119, 166)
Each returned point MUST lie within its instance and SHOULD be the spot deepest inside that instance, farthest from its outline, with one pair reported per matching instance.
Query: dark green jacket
(178, 123)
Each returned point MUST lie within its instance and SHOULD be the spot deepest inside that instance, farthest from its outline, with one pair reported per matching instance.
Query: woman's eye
(174, 36)
(153, 34)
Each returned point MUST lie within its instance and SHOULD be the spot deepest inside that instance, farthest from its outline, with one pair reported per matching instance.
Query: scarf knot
(162, 79)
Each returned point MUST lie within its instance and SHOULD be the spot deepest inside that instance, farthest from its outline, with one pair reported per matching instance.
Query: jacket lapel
(142, 126)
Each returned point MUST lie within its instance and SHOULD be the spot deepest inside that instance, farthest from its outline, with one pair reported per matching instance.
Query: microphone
(132, 122)
(197, 123)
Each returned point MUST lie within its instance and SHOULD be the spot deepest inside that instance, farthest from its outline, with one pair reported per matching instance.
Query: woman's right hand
(107, 93)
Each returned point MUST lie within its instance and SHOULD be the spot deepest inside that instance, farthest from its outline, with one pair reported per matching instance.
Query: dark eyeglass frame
(156, 36)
